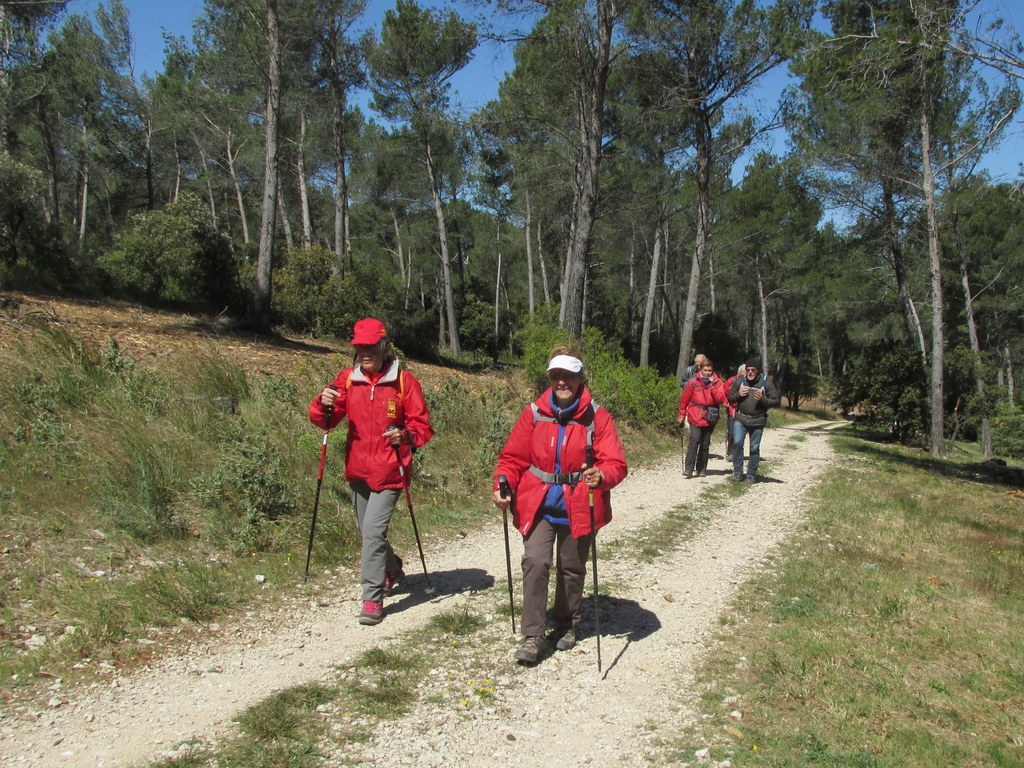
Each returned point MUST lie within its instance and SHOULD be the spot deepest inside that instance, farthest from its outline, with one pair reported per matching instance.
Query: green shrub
(248, 490)
(962, 398)
(175, 255)
(313, 295)
(476, 326)
(636, 395)
(887, 388)
(1008, 432)
(31, 253)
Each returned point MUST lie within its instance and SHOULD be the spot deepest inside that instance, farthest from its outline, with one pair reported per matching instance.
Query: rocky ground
(477, 707)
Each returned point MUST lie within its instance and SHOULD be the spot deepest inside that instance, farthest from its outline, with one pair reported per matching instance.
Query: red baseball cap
(369, 331)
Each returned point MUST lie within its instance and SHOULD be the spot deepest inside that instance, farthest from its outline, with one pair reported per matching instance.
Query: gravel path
(657, 621)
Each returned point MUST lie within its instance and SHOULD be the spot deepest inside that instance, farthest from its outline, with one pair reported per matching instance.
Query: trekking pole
(593, 552)
(412, 515)
(506, 493)
(319, 482)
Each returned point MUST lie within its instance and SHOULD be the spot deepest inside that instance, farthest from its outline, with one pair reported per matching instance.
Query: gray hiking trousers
(373, 515)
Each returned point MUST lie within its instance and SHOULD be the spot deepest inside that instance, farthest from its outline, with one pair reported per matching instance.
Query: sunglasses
(557, 375)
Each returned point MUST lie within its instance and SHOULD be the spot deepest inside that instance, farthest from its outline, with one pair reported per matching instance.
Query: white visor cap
(566, 363)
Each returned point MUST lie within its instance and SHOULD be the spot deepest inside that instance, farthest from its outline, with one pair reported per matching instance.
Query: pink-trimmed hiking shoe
(373, 612)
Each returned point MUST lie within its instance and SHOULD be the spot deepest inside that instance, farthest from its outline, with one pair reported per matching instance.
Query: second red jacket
(532, 443)
(697, 397)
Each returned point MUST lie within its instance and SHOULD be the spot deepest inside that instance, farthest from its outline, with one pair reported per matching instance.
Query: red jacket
(532, 442)
(373, 408)
(697, 397)
(730, 407)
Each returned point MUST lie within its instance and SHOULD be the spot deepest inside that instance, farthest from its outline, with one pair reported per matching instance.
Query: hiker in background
(545, 462)
(730, 410)
(692, 370)
(752, 394)
(387, 419)
(700, 405)
(684, 430)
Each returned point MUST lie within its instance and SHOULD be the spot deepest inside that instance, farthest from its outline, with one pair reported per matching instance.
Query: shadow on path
(413, 589)
(620, 619)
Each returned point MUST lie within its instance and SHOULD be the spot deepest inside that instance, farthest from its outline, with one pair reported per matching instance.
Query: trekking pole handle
(504, 487)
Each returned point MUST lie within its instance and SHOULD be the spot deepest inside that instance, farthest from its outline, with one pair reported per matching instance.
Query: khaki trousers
(570, 575)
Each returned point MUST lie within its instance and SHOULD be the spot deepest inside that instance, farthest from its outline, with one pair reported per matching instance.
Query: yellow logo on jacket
(392, 409)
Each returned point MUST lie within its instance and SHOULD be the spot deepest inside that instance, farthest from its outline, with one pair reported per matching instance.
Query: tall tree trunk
(915, 332)
(446, 276)
(762, 303)
(50, 150)
(5, 83)
(442, 318)
(592, 69)
(300, 168)
(972, 335)
(543, 269)
(268, 218)
(529, 259)
(342, 236)
(403, 268)
(711, 281)
(148, 151)
(83, 202)
(282, 215)
(937, 440)
(203, 169)
(1011, 395)
(631, 299)
(652, 290)
(497, 302)
(177, 171)
(239, 199)
(663, 305)
(702, 127)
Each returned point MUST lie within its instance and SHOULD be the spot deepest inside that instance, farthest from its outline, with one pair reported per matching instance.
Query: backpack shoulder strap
(588, 423)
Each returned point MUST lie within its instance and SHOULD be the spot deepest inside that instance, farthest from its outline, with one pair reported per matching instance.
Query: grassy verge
(890, 637)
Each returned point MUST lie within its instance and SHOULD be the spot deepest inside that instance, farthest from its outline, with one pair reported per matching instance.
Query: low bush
(1008, 432)
(638, 396)
(31, 253)
(176, 256)
(887, 389)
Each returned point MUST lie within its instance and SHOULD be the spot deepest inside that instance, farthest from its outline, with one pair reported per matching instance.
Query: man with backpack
(752, 394)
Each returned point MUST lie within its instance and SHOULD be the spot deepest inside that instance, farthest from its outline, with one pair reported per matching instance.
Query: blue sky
(479, 81)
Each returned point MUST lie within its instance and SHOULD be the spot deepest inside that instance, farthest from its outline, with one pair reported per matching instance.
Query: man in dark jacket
(753, 395)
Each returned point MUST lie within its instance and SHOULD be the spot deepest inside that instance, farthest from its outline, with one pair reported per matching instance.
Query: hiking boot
(393, 578)
(531, 649)
(567, 640)
(688, 474)
(701, 474)
(737, 478)
(751, 479)
(373, 612)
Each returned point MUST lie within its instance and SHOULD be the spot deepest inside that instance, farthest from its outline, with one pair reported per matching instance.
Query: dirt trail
(656, 626)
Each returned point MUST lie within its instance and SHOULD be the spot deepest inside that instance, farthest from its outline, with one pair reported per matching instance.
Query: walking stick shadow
(621, 618)
(413, 589)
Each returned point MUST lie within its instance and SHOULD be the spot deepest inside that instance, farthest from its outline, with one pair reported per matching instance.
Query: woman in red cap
(387, 419)
(545, 462)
